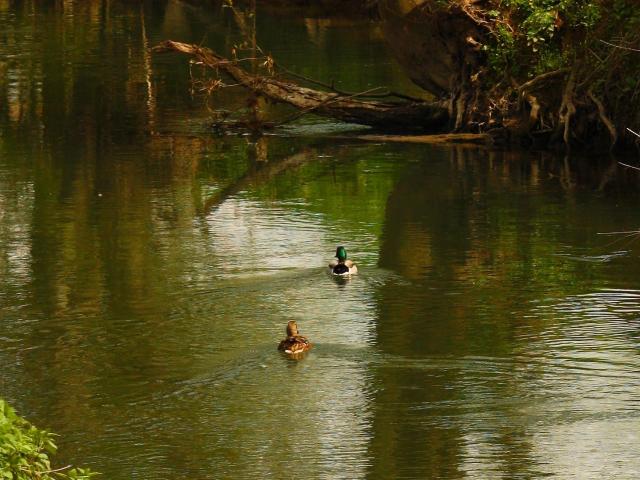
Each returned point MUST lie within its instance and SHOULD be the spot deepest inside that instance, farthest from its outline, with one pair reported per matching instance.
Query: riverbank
(528, 73)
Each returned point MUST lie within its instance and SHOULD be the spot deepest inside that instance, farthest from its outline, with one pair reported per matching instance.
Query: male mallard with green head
(294, 343)
(342, 266)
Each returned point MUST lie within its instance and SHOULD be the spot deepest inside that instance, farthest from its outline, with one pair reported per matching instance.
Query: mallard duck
(342, 266)
(294, 343)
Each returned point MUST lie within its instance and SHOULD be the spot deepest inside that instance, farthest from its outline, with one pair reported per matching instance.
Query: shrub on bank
(25, 451)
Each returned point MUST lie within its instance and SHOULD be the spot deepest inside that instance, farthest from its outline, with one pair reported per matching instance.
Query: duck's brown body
(294, 343)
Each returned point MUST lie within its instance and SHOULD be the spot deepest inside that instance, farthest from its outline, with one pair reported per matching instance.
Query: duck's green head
(341, 254)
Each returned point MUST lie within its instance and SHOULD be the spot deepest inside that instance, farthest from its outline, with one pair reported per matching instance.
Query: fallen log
(471, 139)
(407, 116)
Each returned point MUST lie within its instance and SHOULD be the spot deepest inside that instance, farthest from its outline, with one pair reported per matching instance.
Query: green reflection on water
(147, 273)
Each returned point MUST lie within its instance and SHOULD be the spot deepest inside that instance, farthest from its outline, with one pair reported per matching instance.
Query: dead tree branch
(384, 115)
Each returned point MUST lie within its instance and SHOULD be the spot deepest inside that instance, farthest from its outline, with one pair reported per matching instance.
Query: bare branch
(621, 47)
(629, 166)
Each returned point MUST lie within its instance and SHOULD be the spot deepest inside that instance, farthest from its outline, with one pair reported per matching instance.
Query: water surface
(148, 269)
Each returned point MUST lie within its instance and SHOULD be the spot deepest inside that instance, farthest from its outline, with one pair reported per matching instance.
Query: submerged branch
(471, 139)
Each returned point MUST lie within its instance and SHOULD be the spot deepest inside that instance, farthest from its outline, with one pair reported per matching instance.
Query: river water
(148, 270)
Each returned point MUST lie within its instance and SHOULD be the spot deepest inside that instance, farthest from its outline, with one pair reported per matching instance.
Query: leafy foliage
(532, 30)
(588, 48)
(25, 451)
(536, 36)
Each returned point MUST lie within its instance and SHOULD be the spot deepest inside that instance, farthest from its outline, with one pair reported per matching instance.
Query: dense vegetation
(587, 45)
(25, 451)
(562, 71)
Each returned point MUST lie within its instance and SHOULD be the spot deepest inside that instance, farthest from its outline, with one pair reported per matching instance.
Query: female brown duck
(294, 343)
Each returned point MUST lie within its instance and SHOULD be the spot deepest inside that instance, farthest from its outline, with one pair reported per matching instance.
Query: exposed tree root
(534, 114)
(567, 109)
(603, 117)
(461, 107)
(540, 80)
